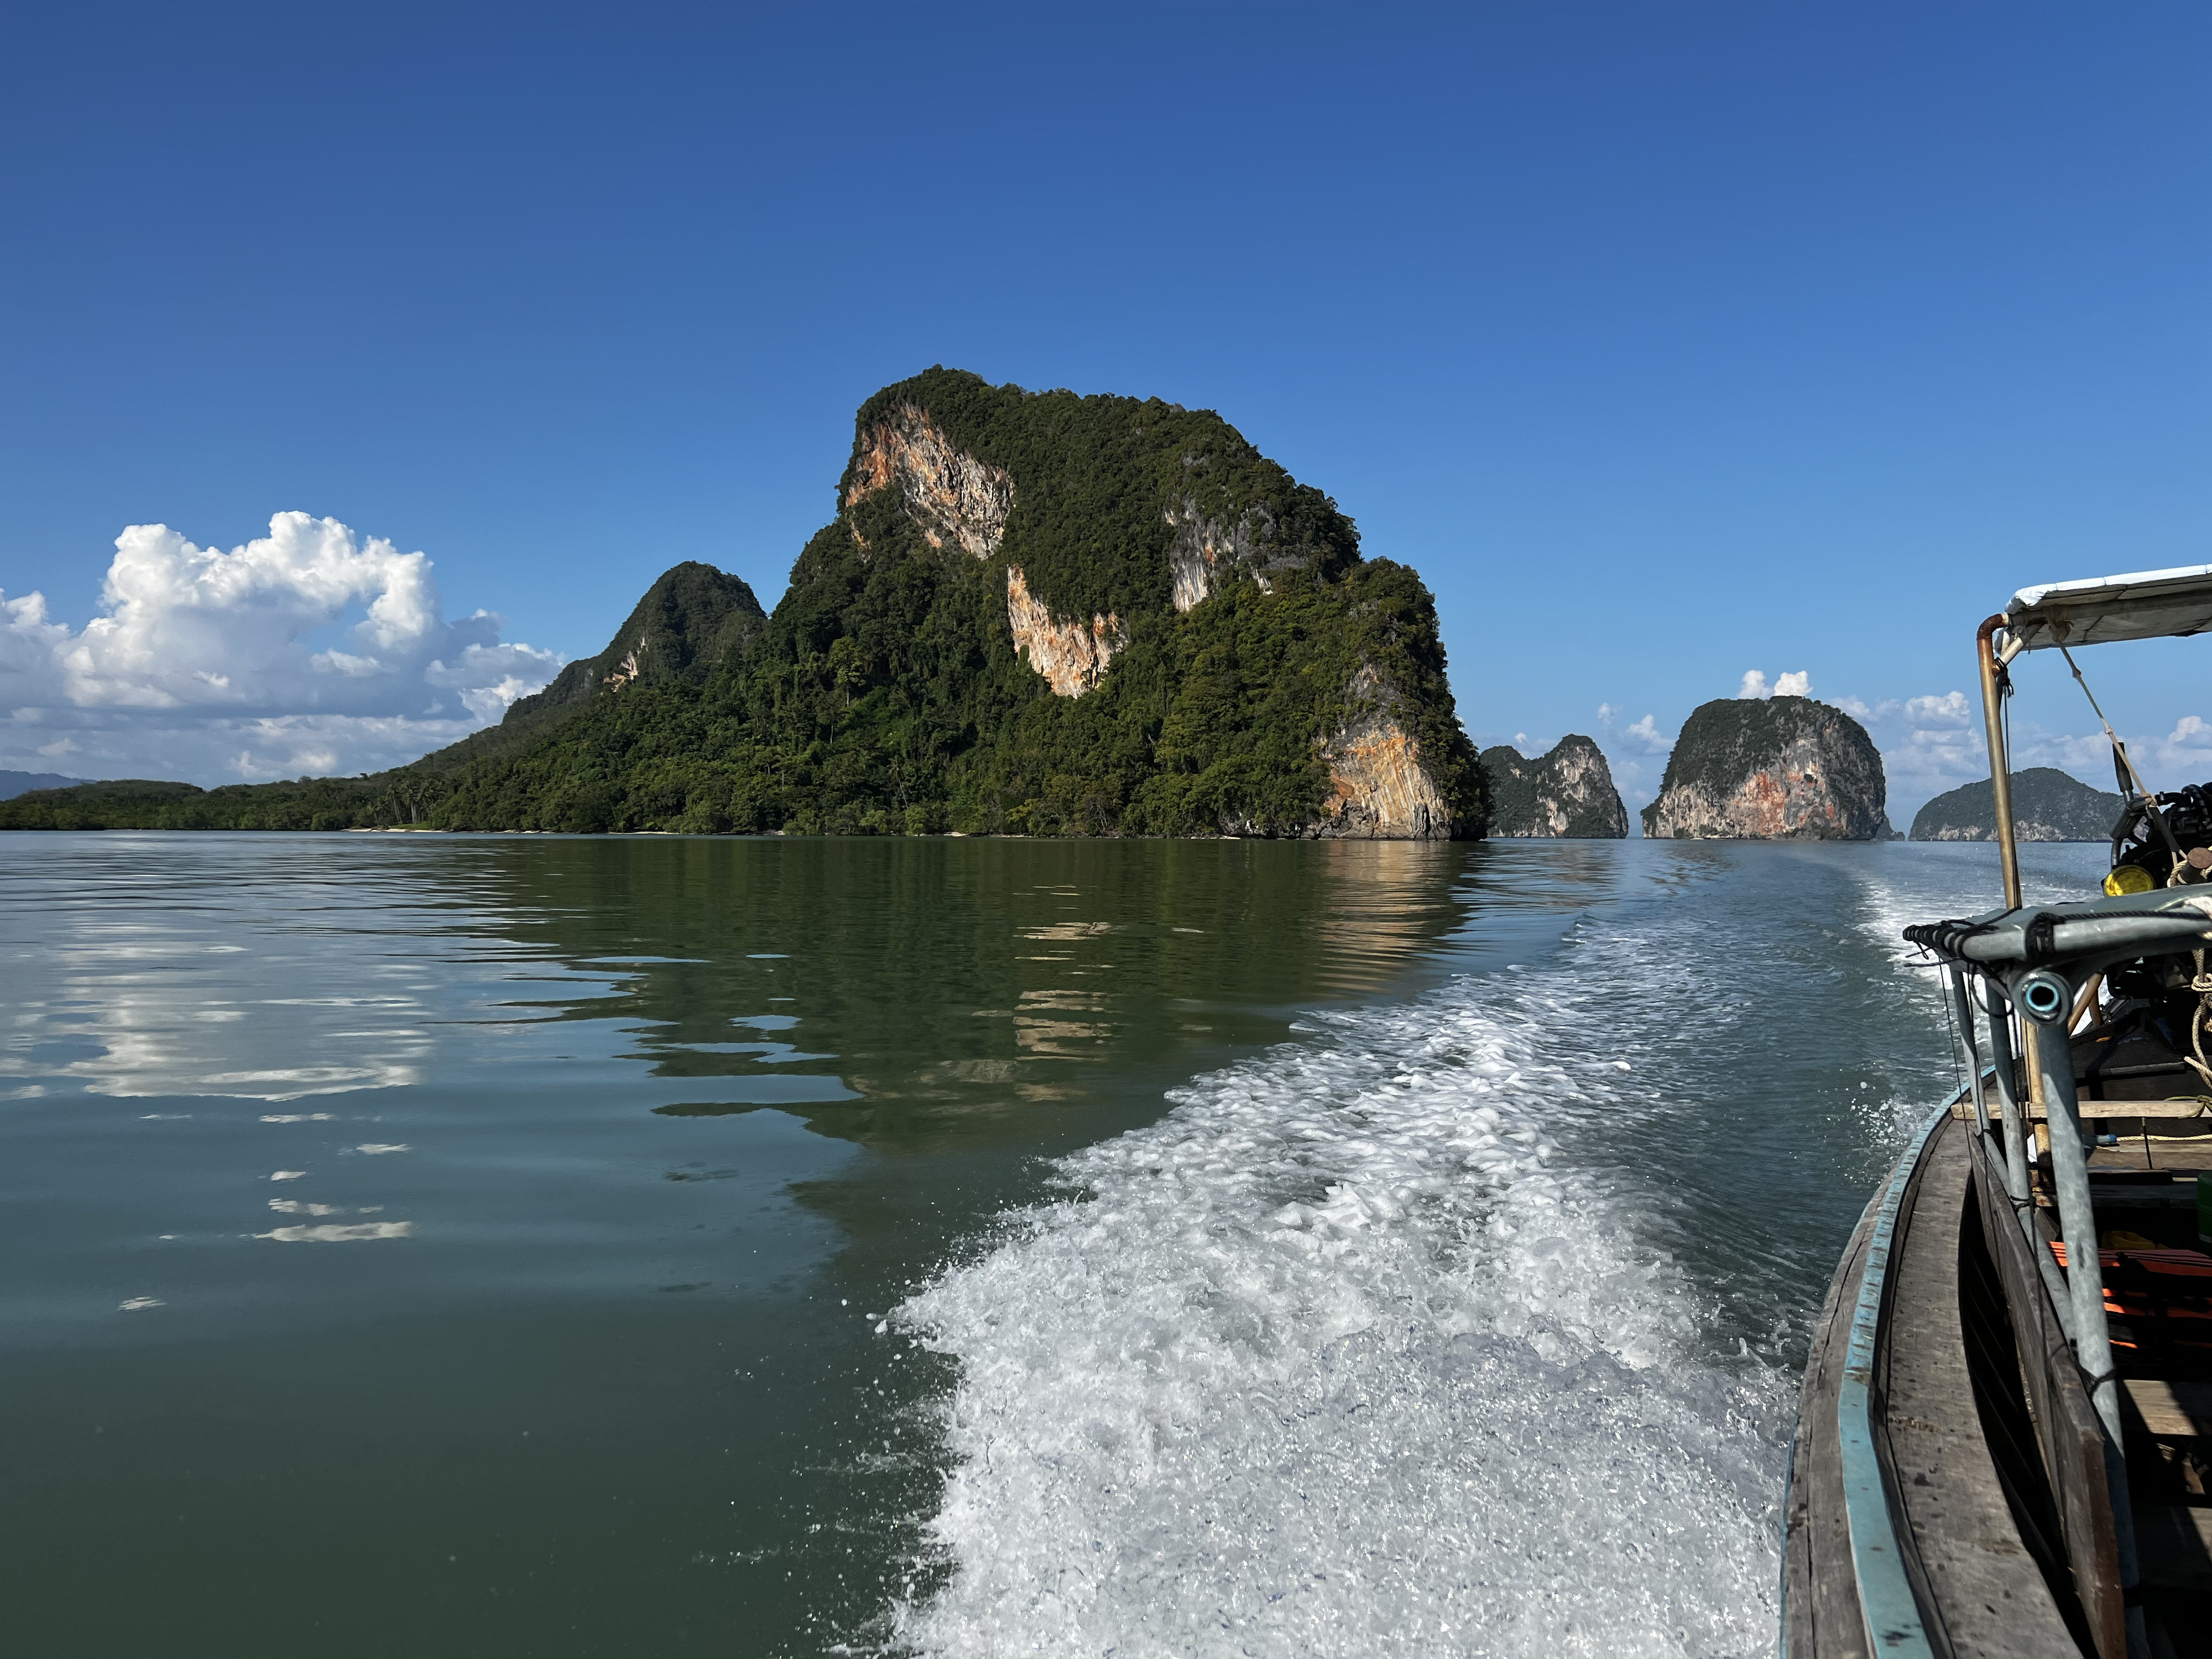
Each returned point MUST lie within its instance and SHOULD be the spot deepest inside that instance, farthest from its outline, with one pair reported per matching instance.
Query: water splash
(1341, 1356)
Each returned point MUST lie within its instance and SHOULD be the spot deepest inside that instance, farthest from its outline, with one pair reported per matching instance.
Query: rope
(2201, 984)
(2119, 748)
(1944, 995)
(2126, 768)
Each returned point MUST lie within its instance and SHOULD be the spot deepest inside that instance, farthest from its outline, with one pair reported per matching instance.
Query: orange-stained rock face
(1378, 789)
(951, 494)
(1795, 796)
(1071, 655)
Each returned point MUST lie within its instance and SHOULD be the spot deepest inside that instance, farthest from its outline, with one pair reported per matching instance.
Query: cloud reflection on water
(338, 1233)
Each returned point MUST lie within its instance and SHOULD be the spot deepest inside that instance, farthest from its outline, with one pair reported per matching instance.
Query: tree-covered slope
(2047, 805)
(693, 621)
(150, 804)
(1033, 613)
(16, 783)
(690, 622)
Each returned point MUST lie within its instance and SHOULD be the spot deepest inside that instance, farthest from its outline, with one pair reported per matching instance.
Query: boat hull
(1942, 1497)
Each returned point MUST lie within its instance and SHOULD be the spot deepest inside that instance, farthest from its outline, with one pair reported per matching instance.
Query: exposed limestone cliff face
(951, 494)
(1379, 790)
(1567, 793)
(1071, 655)
(1208, 551)
(1785, 769)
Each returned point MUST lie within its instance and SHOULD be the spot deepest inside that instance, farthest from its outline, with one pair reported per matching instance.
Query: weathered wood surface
(1982, 1592)
(1820, 1607)
(1964, 1113)
(2172, 1410)
(2164, 1153)
(2066, 1427)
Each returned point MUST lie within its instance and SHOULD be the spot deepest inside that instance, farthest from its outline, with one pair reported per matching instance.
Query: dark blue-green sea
(414, 1245)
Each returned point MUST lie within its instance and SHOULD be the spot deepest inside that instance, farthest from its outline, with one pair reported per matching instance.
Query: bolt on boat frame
(1997, 1449)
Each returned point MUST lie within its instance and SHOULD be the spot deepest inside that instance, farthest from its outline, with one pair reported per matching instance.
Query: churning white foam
(1340, 1358)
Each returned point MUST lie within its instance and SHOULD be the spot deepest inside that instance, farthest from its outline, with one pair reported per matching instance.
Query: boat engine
(2163, 841)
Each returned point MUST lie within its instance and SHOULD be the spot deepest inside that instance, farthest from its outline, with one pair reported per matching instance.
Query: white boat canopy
(2150, 605)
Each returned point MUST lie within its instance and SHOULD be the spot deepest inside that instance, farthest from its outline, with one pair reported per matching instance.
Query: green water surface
(583, 1363)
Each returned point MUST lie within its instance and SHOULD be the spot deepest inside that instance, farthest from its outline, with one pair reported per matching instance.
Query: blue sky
(1668, 342)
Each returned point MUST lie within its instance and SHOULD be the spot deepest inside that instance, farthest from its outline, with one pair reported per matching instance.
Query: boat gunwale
(1888, 1605)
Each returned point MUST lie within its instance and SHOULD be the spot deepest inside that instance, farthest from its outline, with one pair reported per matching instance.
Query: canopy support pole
(2085, 1283)
(2000, 761)
(2008, 841)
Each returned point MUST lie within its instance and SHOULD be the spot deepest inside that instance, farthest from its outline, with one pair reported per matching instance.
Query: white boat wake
(1341, 1358)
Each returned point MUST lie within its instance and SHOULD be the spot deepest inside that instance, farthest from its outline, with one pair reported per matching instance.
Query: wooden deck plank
(1983, 1586)
(2171, 1155)
(1964, 1113)
(2066, 1428)
(2171, 1410)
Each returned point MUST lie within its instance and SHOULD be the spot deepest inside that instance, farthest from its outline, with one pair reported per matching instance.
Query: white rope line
(2111, 736)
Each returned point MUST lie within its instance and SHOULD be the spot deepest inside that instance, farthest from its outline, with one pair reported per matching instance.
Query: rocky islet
(1565, 794)
(1783, 768)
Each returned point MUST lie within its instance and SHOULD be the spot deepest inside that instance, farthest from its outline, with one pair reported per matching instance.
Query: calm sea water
(535, 1246)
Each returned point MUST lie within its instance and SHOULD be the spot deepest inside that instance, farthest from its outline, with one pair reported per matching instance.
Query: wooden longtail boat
(2004, 1439)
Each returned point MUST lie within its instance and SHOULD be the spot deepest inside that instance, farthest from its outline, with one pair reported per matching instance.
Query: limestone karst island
(1032, 613)
(1042, 614)
(1789, 768)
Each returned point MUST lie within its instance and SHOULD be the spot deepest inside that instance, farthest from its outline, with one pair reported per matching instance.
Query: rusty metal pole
(2008, 844)
(2000, 761)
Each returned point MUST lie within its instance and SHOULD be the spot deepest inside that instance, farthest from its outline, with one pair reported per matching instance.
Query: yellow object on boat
(2127, 878)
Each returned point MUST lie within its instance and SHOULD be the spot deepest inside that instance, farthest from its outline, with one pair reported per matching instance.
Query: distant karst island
(1780, 769)
(1032, 613)
(1566, 793)
(2047, 805)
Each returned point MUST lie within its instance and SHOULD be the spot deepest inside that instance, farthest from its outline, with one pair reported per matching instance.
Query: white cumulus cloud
(309, 650)
(1798, 683)
(1951, 708)
(1642, 734)
(1933, 743)
(1636, 753)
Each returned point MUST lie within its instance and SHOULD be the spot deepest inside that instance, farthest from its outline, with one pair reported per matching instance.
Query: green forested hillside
(694, 620)
(899, 716)
(2047, 805)
(885, 693)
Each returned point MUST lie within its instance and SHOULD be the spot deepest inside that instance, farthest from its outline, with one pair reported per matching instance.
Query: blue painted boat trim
(1886, 1602)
